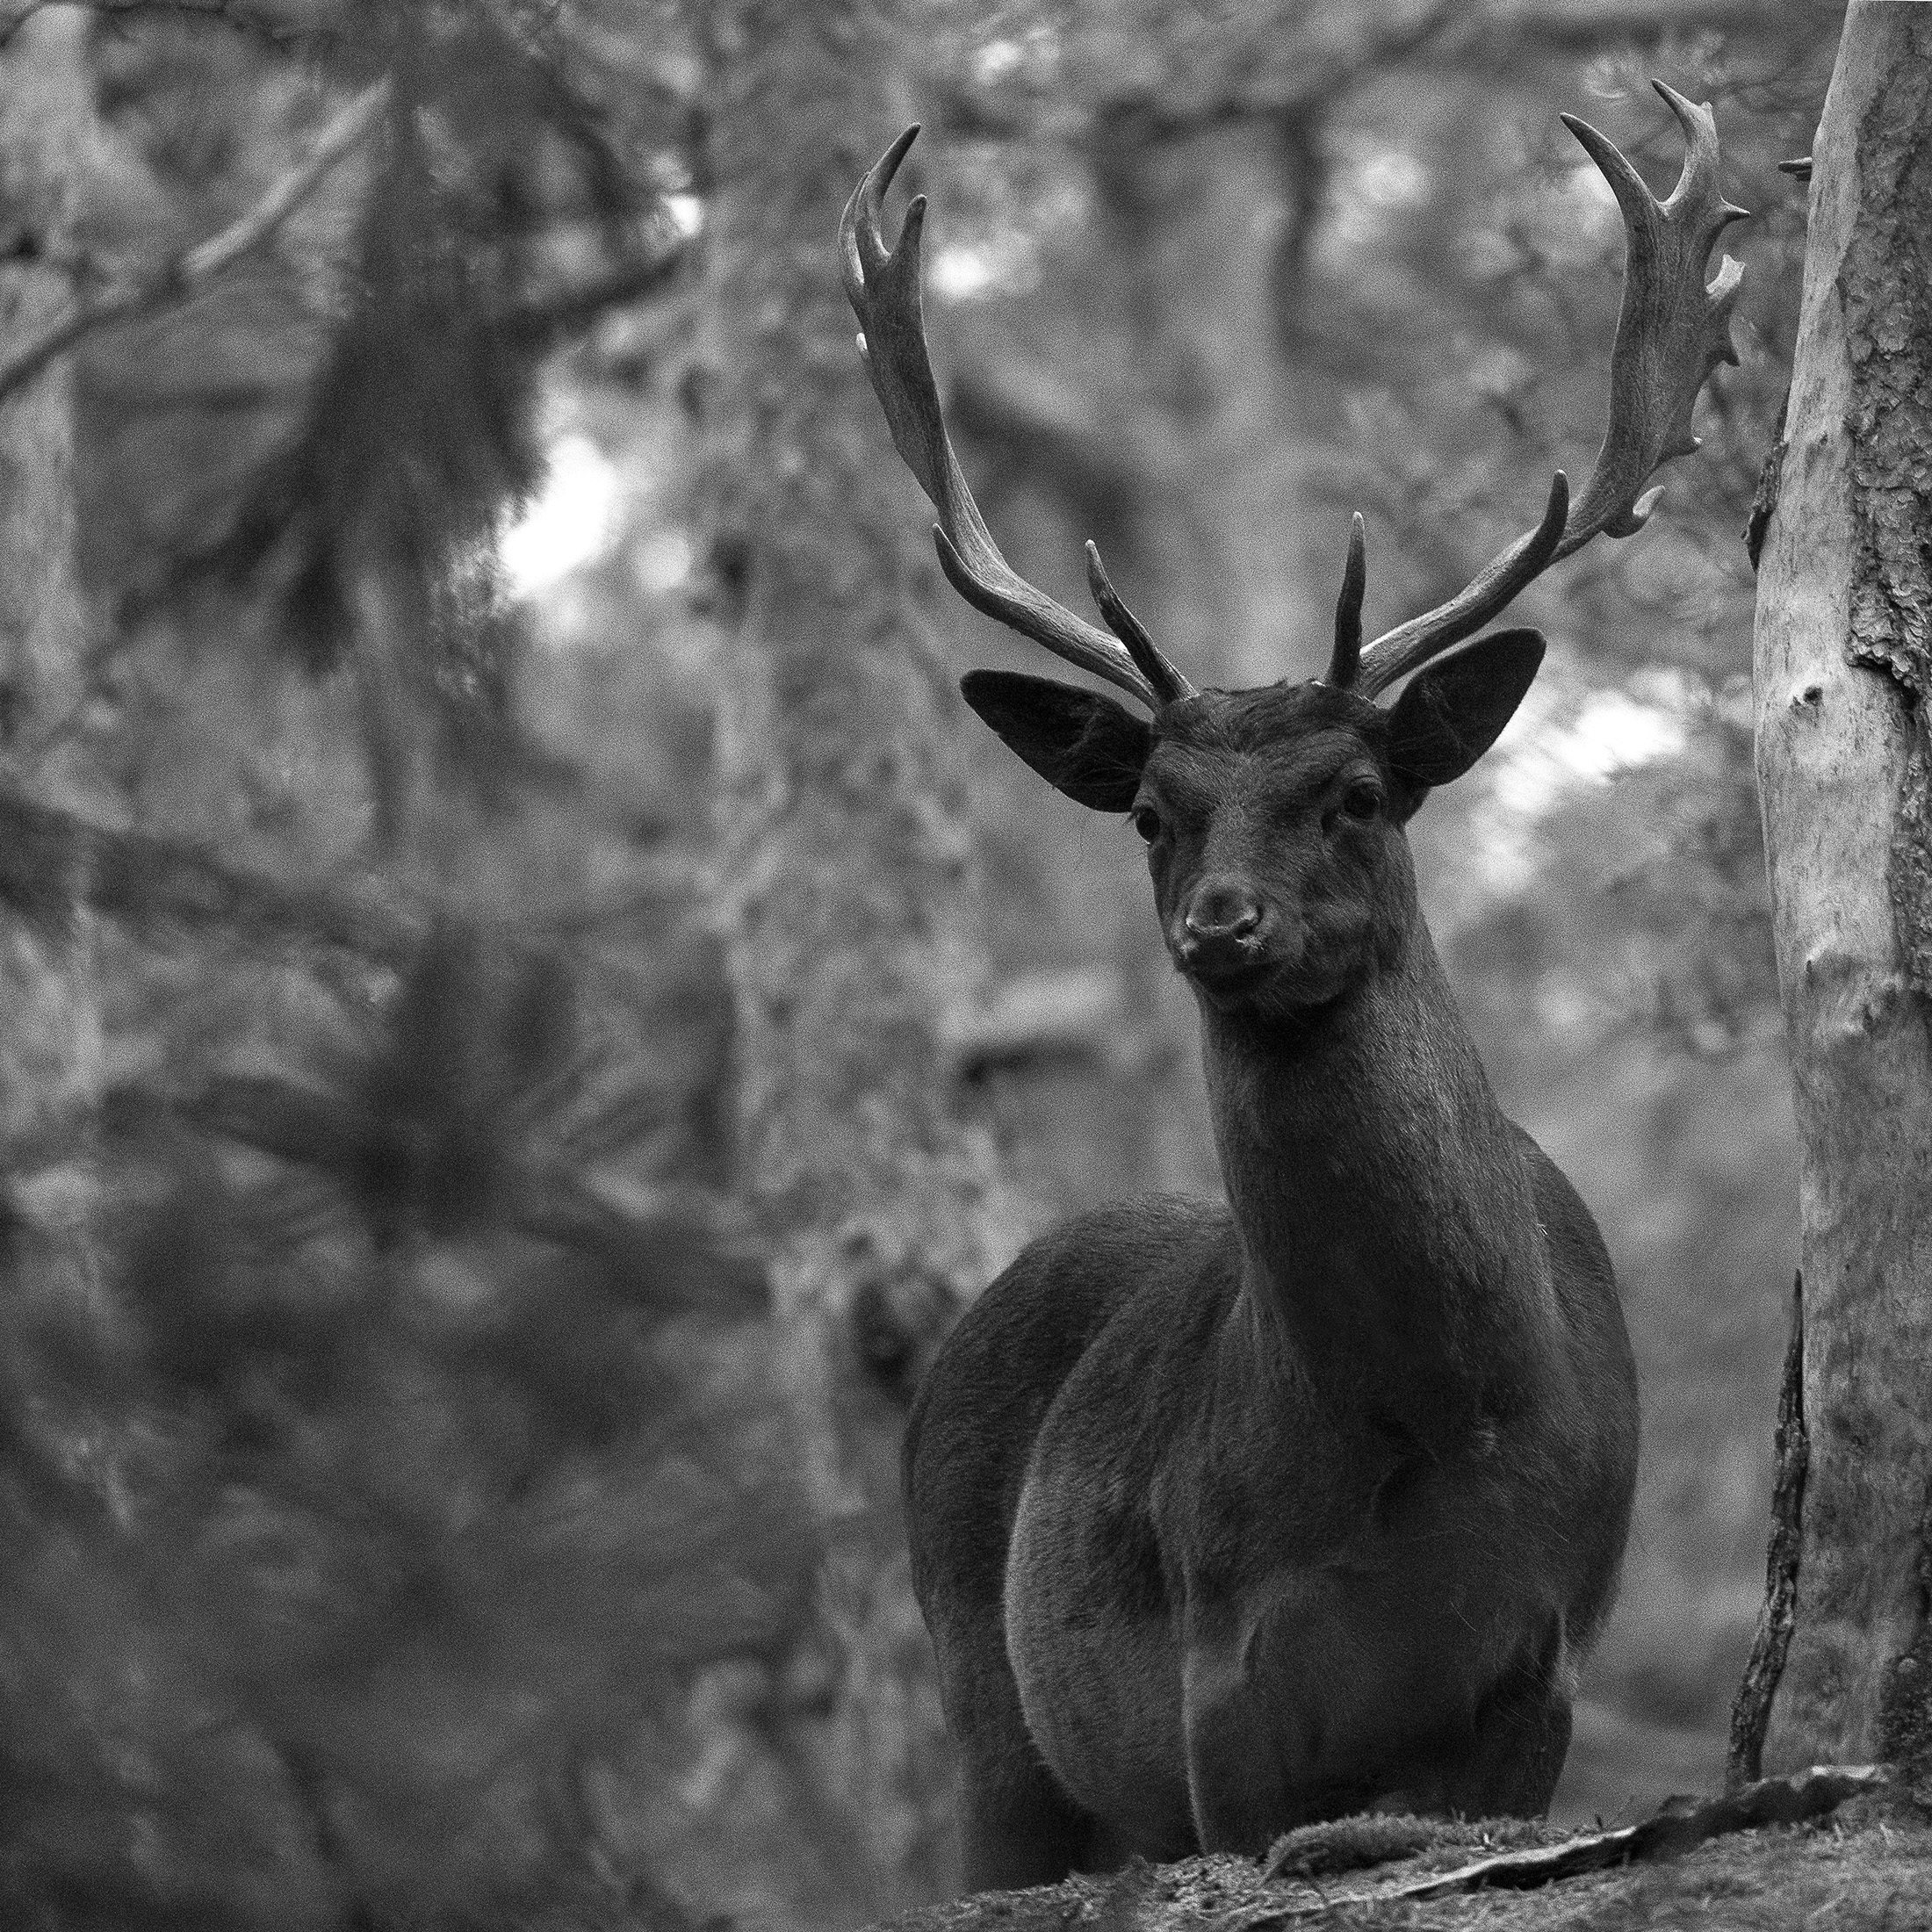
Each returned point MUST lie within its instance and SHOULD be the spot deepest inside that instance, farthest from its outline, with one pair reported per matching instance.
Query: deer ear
(1452, 712)
(1081, 743)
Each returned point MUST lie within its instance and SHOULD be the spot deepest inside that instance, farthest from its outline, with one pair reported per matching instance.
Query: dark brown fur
(1227, 1517)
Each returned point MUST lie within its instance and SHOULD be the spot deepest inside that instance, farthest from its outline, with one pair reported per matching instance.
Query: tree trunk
(49, 1057)
(1843, 672)
(43, 110)
(848, 875)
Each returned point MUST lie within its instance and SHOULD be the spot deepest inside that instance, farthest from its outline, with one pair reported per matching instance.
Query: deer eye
(1147, 822)
(1362, 800)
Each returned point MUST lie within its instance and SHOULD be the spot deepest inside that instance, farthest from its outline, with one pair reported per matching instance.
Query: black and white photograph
(965, 965)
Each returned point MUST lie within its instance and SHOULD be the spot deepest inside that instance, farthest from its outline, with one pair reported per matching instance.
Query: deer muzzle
(1223, 931)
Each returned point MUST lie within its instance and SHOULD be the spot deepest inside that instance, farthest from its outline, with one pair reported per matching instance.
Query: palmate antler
(884, 286)
(1672, 331)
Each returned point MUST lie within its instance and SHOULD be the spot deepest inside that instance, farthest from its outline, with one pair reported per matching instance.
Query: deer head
(1274, 816)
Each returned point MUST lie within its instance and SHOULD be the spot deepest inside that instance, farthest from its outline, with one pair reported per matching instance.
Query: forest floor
(1867, 1870)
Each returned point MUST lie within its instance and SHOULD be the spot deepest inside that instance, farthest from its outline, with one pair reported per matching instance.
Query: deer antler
(1347, 657)
(884, 287)
(1672, 331)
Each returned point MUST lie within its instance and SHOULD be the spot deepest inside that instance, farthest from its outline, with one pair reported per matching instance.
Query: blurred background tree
(476, 926)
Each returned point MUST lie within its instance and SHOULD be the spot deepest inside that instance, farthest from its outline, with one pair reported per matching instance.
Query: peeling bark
(1842, 668)
(1751, 1711)
(44, 107)
(49, 1023)
(847, 872)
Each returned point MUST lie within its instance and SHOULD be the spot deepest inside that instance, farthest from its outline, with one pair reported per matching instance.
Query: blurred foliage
(380, 1488)
(357, 412)
(399, 1452)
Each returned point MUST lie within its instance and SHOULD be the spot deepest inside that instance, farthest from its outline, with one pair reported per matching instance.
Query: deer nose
(1221, 909)
(1221, 930)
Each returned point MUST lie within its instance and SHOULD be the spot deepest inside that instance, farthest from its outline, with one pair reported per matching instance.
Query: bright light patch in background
(1558, 743)
(1027, 59)
(1392, 179)
(569, 523)
(996, 60)
(686, 213)
(661, 561)
(959, 274)
(1005, 265)
(1371, 184)
(1591, 199)
(1612, 733)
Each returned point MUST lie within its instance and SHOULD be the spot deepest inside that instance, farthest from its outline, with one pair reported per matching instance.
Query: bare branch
(1672, 1831)
(544, 320)
(1144, 117)
(1443, 32)
(1582, 29)
(182, 274)
(1076, 1016)
(245, 19)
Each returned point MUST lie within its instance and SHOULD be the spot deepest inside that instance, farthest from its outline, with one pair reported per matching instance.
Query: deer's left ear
(1453, 711)
(1081, 743)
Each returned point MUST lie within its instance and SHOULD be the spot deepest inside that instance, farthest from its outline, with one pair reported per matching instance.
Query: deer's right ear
(1452, 712)
(1081, 743)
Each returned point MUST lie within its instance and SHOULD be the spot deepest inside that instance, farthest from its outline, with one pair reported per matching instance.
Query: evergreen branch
(181, 274)
(667, 1247)
(51, 860)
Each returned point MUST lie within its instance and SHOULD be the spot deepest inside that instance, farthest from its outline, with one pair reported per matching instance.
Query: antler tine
(883, 286)
(1347, 658)
(1410, 646)
(1169, 684)
(1672, 330)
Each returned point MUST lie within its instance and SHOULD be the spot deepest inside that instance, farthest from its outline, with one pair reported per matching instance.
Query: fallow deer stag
(1226, 1518)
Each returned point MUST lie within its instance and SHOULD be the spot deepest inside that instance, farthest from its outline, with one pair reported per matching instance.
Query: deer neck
(1388, 1229)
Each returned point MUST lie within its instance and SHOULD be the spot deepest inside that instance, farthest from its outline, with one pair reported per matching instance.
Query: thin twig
(181, 274)
(550, 319)
(244, 19)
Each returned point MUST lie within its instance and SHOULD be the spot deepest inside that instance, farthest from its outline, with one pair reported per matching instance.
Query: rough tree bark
(44, 106)
(1843, 674)
(847, 874)
(49, 1057)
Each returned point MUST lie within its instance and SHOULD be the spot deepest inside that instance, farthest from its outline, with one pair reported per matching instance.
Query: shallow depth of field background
(407, 1499)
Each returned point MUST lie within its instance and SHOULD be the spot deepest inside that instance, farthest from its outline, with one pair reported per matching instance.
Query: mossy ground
(1869, 1870)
